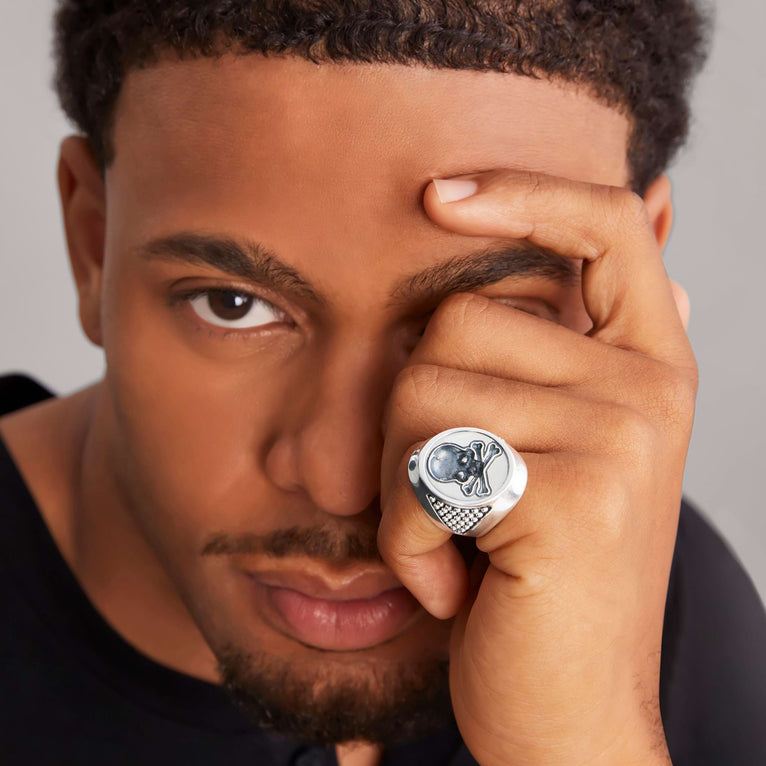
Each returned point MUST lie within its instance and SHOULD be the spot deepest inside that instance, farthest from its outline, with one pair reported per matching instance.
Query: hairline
(167, 53)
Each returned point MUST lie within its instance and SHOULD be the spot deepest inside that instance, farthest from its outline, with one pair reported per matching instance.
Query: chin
(327, 698)
(393, 691)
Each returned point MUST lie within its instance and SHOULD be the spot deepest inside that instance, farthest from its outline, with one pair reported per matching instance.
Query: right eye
(234, 309)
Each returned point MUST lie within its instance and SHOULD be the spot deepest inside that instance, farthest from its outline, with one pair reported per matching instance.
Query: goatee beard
(380, 703)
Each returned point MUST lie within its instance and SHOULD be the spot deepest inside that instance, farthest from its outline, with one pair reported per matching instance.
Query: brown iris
(229, 305)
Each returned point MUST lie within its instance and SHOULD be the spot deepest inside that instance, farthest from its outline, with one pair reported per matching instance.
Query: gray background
(715, 251)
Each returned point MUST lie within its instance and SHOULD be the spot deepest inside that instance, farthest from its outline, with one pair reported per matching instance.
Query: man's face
(247, 431)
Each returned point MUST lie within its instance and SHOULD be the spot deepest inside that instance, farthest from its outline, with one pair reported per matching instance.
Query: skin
(195, 431)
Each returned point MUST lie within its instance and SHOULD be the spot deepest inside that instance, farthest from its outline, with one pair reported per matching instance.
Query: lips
(348, 612)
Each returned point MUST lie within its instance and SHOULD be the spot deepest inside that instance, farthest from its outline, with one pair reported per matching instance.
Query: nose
(329, 445)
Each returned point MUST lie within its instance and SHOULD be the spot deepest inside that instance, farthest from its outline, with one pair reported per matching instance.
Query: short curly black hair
(636, 55)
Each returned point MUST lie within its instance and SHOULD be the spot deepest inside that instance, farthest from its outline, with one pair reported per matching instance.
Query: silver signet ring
(467, 479)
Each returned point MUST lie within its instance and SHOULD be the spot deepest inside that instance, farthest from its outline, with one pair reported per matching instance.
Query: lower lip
(343, 625)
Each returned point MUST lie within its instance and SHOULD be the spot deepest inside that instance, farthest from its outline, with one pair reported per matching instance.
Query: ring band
(467, 480)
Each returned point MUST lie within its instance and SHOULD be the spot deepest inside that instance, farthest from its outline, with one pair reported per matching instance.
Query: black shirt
(75, 692)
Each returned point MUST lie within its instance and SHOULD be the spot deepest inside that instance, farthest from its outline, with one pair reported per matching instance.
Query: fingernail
(454, 189)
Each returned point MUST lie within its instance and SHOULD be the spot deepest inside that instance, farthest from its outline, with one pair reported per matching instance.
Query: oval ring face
(465, 467)
(467, 479)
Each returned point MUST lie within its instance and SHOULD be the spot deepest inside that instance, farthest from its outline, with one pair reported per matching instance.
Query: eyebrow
(256, 263)
(483, 268)
(246, 259)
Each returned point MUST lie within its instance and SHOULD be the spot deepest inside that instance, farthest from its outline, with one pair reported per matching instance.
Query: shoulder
(712, 583)
(713, 684)
(18, 391)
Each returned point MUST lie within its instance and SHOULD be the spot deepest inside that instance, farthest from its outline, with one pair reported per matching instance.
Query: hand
(555, 649)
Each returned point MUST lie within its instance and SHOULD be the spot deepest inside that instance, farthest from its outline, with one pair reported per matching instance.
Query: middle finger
(474, 333)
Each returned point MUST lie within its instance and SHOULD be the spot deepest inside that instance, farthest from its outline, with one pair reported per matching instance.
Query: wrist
(642, 743)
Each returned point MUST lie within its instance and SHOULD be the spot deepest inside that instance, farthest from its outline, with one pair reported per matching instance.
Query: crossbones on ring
(467, 479)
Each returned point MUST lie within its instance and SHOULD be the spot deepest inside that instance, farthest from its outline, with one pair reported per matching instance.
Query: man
(310, 237)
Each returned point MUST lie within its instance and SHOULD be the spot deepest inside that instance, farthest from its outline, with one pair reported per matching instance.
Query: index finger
(625, 288)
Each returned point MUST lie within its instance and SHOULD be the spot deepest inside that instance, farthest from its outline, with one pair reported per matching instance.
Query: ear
(83, 206)
(660, 207)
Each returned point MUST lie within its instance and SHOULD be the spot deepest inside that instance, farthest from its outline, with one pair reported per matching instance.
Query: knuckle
(455, 312)
(461, 307)
(414, 388)
(597, 222)
(530, 183)
(628, 208)
(633, 434)
(692, 376)
(674, 396)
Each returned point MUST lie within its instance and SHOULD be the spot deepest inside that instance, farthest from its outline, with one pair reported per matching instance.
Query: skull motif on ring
(466, 466)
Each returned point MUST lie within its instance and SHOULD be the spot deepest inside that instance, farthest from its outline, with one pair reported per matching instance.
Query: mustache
(330, 545)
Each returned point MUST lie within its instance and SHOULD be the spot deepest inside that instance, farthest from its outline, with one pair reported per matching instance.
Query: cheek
(190, 428)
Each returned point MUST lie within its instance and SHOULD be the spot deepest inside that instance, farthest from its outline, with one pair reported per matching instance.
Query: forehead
(286, 151)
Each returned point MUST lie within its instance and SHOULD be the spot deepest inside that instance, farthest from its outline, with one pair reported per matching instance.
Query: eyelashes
(232, 309)
(236, 311)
